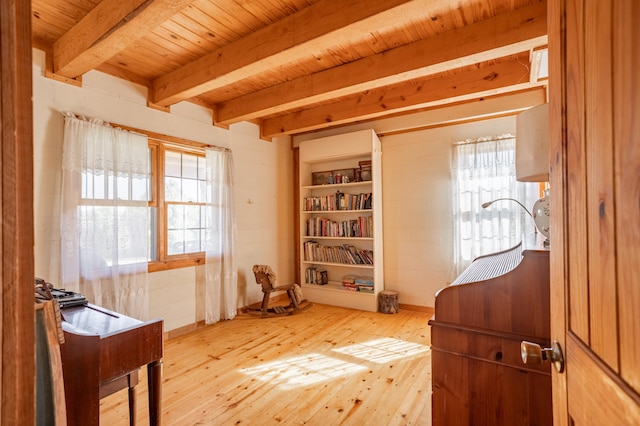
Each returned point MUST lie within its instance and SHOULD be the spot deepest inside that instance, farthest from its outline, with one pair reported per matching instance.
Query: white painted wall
(263, 184)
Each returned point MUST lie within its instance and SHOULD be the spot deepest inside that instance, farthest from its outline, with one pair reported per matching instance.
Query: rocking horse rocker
(267, 279)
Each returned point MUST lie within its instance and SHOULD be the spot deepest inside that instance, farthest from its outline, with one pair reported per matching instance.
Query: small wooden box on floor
(480, 320)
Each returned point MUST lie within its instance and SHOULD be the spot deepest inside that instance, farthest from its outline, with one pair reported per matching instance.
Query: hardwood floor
(324, 366)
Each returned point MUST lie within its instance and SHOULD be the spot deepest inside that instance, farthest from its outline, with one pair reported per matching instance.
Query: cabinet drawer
(484, 345)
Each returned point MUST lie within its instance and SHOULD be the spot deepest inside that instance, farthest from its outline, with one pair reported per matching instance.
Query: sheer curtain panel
(482, 171)
(105, 215)
(221, 276)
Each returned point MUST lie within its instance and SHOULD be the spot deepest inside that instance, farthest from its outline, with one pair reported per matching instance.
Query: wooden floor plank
(327, 365)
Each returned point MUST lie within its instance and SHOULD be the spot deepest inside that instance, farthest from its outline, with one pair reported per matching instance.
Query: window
(107, 220)
(178, 205)
(104, 221)
(174, 200)
(133, 203)
(482, 171)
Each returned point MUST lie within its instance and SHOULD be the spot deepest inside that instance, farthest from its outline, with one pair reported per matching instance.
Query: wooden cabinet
(480, 320)
(341, 222)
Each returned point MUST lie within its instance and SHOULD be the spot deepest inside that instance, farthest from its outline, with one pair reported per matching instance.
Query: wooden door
(594, 92)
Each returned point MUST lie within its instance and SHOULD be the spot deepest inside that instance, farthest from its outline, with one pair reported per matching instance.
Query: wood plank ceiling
(295, 66)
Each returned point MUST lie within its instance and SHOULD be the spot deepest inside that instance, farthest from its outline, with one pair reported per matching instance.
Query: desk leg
(154, 373)
(132, 400)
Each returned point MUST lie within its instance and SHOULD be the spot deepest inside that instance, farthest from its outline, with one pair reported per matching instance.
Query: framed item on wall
(321, 178)
(365, 170)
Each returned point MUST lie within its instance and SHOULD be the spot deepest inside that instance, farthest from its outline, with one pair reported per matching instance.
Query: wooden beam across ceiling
(293, 75)
(505, 75)
(107, 29)
(510, 33)
(320, 26)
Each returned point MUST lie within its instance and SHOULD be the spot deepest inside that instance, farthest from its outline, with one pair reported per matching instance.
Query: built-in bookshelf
(341, 220)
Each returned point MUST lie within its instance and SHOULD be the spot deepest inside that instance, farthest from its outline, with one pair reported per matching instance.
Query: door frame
(557, 182)
(17, 319)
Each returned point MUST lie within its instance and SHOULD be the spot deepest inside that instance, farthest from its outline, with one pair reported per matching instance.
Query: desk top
(95, 320)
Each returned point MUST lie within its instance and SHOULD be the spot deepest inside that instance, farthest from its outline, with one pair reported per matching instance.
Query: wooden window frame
(158, 144)
(164, 261)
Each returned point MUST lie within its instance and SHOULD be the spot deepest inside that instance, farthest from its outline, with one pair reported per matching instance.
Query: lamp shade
(532, 144)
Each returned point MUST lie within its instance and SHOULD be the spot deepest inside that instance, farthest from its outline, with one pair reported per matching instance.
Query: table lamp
(532, 158)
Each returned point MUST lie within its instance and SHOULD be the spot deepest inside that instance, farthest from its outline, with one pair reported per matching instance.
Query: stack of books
(316, 276)
(349, 283)
(345, 254)
(338, 201)
(324, 227)
(364, 284)
(357, 283)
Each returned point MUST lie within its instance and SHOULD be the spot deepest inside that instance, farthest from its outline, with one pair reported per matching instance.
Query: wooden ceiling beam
(107, 29)
(318, 27)
(506, 75)
(513, 32)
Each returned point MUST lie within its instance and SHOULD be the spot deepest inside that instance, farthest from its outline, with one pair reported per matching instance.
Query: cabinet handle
(532, 353)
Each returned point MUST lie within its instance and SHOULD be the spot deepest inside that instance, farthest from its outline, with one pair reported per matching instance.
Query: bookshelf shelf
(336, 288)
(336, 186)
(358, 238)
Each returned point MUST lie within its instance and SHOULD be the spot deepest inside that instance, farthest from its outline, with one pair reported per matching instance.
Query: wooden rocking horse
(267, 279)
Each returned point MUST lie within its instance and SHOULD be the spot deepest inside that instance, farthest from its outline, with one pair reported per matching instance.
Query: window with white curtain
(483, 170)
(105, 214)
(114, 204)
(131, 205)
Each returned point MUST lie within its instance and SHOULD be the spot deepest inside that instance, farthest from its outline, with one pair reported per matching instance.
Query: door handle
(532, 353)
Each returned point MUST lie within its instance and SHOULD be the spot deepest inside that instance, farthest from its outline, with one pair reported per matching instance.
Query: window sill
(182, 262)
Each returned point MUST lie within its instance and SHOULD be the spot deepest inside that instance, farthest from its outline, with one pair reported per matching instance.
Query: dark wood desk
(102, 354)
(478, 374)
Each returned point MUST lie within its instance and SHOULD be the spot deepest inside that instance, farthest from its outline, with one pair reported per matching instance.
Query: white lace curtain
(221, 286)
(482, 171)
(105, 215)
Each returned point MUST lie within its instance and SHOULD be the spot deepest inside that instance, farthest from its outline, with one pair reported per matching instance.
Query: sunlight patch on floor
(384, 350)
(302, 370)
(314, 368)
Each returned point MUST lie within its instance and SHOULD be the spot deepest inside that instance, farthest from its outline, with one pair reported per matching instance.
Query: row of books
(359, 283)
(323, 227)
(316, 276)
(338, 201)
(346, 253)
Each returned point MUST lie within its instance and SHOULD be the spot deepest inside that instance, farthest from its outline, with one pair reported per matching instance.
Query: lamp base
(541, 215)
